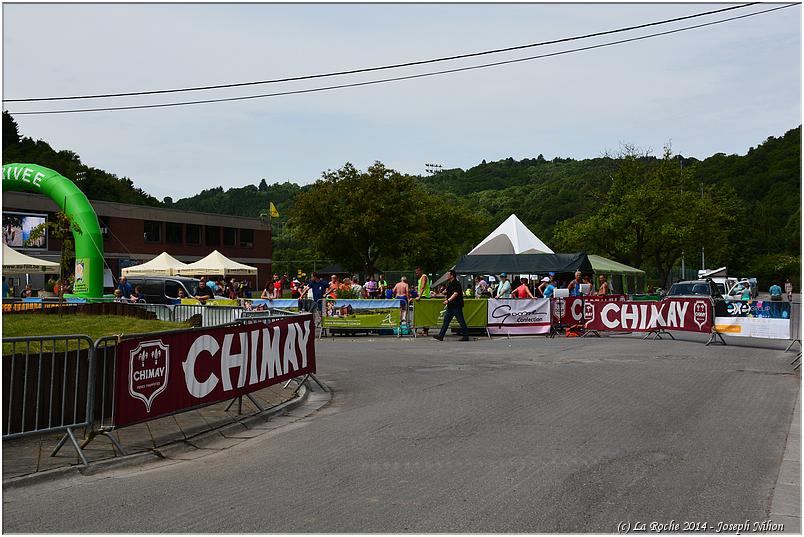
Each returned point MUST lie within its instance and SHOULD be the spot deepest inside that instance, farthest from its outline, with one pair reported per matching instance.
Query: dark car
(163, 289)
(695, 288)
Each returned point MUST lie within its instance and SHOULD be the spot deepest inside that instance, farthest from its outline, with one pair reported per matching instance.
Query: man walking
(454, 307)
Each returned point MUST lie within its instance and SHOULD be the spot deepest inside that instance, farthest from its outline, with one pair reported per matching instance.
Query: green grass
(94, 326)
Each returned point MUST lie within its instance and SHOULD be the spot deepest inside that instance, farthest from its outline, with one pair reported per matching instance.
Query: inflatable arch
(73, 202)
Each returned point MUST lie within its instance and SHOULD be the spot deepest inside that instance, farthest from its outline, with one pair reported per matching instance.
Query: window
(212, 236)
(173, 232)
(246, 238)
(172, 288)
(192, 234)
(153, 231)
(229, 236)
(103, 222)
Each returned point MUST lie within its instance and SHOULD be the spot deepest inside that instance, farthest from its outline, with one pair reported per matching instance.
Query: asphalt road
(522, 435)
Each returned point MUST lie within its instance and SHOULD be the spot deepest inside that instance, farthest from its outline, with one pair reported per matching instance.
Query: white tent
(162, 265)
(217, 264)
(15, 262)
(511, 237)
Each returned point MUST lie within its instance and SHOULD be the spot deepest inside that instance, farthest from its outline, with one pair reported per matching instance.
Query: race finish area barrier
(576, 310)
(657, 318)
(361, 315)
(429, 313)
(518, 316)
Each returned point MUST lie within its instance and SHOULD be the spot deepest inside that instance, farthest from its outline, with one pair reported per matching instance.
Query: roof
(511, 237)
(608, 266)
(217, 264)
(15, 262)
(162, 265)
(523, 263)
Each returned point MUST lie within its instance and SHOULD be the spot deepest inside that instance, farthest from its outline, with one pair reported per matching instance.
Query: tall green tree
(362, 219)
(652, 212)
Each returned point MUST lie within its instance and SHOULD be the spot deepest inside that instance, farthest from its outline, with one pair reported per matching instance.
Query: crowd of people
(544, 287)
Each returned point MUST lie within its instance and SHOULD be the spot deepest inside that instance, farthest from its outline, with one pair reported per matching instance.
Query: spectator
(123, 285)
(550, 286)
(212, 286)
(454, 307)
(357, 288)
(603, 289)
(6, 289)
(371, 287)
(136, 295)
(118, 296)
(204, 293)
(746, 294)
(575, 285)
(504, 289)
(481, 286)
(181, 294)
(295, 288)
(775, 292)
(232, 290)
(277, 287)
(27, 292)
(523, 291)
(587, 281)
(542, 286)
(788, 290)
(402, 292)
(334, 284)
(268, 291)
(382, 285)
(317, 287)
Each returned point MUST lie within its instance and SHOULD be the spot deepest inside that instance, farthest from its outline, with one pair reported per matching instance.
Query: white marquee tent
(162, 265)
(15, 262)
(217, 264)
(511, 237)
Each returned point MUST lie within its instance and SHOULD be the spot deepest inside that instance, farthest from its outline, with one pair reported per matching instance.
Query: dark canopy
(523, 263)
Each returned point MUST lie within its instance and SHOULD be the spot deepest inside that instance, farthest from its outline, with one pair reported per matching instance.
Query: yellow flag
(274, 212)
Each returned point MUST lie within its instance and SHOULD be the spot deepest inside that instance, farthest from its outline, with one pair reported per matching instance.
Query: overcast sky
(722, 88)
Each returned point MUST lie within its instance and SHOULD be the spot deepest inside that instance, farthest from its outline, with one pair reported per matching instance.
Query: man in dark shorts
(454, 304)
(318, 287)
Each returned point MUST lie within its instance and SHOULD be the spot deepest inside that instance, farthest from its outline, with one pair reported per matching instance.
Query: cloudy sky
(722, 88)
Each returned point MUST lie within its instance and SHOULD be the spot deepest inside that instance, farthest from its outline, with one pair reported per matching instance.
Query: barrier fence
(61, 383)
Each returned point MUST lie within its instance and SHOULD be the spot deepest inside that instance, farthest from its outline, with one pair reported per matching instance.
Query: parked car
(695, 288)
(164, 289)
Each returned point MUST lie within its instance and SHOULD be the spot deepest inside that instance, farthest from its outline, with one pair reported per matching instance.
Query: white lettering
(270, 354)
(205, 343)
(17, 172)
(26, 174)
(682, 312)
(303, 333)
(631, 314)
(290, 350)
(656, 316)
(255, 338)
(229, 361)
(38, 178)
(643, 314)
(575, 310)
(604, 315)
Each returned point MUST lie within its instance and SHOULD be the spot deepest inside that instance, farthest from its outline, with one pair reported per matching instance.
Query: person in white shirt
(504, 289)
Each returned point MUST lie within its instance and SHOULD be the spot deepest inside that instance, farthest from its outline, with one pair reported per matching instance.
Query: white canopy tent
(162, 265)
(217, 264)
(511, 237)
(15, 262)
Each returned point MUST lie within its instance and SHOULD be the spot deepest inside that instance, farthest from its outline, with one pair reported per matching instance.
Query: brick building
(133, 234)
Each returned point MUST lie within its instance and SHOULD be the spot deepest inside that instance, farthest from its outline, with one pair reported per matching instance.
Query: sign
(518, 316)
(430, 312)
(577, 309)
(361, 314)
(686, 314)
(757, 318)
(165, 374)
(17, 229)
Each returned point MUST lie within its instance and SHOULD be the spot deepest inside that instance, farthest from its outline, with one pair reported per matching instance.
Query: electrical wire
(384, 67)
(399, 78)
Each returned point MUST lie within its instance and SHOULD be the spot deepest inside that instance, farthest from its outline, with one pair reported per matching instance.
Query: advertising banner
(430, 313)
(570, 311)
(757, 318)
(515, 316)
(361, 314)
(289, 304)
(164, 374)
(686, 314)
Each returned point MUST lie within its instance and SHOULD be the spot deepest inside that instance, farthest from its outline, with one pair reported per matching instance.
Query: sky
(722, 88)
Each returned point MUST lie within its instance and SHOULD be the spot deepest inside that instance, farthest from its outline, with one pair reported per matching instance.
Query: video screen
(17, 229)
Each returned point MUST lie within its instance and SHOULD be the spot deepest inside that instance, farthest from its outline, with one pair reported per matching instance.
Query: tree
(263, 186)
(61, 227)
(11, 133)
(361, 219)
(651, 212)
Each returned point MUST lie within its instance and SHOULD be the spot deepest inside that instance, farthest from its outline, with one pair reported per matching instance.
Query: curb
(162, 452)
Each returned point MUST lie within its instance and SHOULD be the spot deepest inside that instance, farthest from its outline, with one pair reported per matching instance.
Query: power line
(399, 78)
(384, 67)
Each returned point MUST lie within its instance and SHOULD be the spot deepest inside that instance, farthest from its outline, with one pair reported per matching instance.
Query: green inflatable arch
(73, 202)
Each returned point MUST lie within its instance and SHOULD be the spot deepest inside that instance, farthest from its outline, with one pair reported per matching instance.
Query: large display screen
(17, 229)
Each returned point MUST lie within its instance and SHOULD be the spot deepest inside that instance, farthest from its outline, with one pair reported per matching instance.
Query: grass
(94, 326)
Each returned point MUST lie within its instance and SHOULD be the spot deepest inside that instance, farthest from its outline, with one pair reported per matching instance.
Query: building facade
(133, 234)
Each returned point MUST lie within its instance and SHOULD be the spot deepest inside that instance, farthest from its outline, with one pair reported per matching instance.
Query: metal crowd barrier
(47, 386)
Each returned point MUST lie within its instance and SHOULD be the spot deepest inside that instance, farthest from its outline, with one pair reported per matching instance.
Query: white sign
(753, 327)
(520, 316)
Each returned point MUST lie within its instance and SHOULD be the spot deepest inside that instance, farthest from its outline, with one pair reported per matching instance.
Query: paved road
(524, 435)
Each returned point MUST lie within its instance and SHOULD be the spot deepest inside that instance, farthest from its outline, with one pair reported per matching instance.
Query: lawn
(94, 326)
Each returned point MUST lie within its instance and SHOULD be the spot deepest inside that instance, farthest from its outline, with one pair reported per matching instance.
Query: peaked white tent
(511, 237)
(162, 265)
(15, 262)
(217, 264)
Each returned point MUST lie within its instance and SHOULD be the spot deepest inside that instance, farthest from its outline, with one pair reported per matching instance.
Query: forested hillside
(556, 198)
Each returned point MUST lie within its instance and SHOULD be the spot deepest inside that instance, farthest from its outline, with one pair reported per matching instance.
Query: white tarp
(15, 262)
(217, 264)
(162, 265)
(511, 237)
(518, 316)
